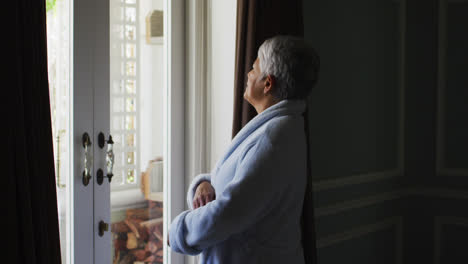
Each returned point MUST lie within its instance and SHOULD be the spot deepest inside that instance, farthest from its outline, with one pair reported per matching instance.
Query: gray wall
(388, 130)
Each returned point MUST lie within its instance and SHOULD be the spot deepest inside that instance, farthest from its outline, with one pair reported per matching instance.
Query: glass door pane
(58, 51)
(137, 125)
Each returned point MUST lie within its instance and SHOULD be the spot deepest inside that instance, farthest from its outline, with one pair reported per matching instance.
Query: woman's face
(255, 85)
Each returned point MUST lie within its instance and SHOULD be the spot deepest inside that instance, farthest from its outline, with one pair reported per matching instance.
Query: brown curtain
(258, 20)
(31, 215)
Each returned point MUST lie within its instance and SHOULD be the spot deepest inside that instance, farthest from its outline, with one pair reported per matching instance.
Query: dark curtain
(32, 201)
(258, 20)
(309, 238)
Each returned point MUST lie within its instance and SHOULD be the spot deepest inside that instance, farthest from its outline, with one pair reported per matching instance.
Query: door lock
(103, 226)
(109, 158)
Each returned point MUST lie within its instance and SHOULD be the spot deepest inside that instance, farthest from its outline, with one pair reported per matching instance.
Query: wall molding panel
(336, 208)
(325, 184)
(441, 169)
(356, 179)
(439, 222)
(439, 193)
(358, 203)
(367, 229)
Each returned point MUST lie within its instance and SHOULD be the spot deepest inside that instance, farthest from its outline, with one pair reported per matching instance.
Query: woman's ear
(269, 83)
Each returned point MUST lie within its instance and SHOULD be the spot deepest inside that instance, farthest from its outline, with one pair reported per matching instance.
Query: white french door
(126, 81)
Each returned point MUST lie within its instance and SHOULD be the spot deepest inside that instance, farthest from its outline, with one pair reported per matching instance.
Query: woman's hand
(204, 194)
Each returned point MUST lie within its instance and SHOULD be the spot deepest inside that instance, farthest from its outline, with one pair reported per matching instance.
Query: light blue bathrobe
(259, 183)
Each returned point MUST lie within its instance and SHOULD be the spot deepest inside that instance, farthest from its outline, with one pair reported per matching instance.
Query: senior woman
(248, 209)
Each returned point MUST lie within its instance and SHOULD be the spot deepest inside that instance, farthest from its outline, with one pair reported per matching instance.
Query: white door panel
(82, 120)
(102, 241)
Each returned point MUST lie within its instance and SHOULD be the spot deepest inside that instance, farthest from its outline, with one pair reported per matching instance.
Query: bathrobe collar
(283, 108)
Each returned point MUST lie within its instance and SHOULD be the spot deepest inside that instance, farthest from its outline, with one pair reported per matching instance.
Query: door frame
(90, 113)
(174, 57)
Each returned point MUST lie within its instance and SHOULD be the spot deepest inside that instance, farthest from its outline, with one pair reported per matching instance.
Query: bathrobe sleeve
(193, 187)
(251, 194)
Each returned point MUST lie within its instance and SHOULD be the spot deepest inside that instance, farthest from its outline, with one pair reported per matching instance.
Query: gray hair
(294, 65)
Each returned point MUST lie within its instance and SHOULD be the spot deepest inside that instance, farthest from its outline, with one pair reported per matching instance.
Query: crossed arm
(245, 199)
(204, 194)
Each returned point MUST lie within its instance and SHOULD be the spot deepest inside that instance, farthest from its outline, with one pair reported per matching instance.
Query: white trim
(367, 229)
(174, 114)
(125, 199)
(197, 121)
(71, 178)
(157, 40)
(196, 99)
(326, 184)
(209, 71)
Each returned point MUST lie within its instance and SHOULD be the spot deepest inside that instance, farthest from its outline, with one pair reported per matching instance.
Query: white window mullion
(125, 74)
